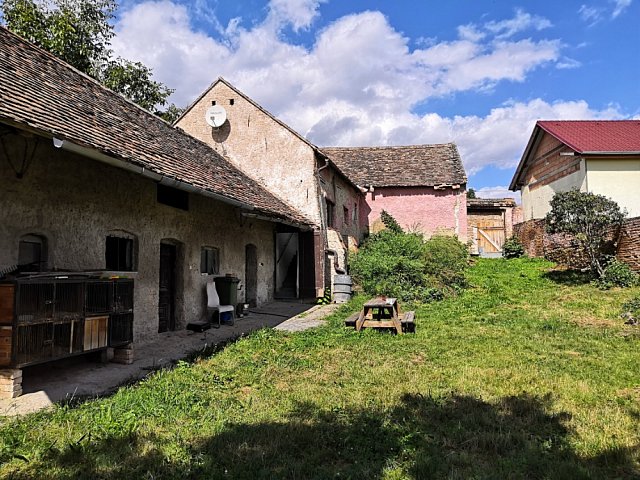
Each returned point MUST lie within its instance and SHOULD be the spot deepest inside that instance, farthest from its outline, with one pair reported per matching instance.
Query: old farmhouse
(113, 222)
(94, 187)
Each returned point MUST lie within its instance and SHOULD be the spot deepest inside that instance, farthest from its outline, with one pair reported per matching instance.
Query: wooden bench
(408, 322)
(351, 321)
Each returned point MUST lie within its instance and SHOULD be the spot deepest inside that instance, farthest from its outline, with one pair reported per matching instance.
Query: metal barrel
(342, 288)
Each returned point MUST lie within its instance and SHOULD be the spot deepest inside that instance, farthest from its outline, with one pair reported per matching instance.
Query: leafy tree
(133, 80)
(589, 218)
(390, 222)
(171, 114)
(471, 193)
(80, 32)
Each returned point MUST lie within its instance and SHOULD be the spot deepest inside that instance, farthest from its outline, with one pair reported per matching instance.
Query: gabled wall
(259, 146)
(548, 173)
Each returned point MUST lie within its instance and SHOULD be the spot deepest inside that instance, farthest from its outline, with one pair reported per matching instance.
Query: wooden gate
(490, 239)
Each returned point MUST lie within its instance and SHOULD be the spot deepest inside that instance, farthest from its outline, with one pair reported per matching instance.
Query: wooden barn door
(490, 237)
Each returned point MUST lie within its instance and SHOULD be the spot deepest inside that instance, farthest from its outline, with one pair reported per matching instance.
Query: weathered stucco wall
(421, 208)
(618, 179)
(259, 146)
(74, 202)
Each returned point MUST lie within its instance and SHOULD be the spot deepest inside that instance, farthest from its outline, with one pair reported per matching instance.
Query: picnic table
(382, 312)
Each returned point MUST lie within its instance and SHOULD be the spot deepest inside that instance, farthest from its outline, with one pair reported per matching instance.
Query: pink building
(422, 186)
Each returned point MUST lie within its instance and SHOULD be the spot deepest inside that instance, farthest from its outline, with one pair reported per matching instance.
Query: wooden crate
(95, 332)
(6, 337)
(6, 303)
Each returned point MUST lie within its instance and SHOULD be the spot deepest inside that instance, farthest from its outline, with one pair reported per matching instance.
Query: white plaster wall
(75, 201)
(618, 179)
(535, 203)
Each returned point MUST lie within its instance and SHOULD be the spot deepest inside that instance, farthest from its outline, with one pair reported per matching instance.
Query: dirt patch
(591, 321)
(632, 393)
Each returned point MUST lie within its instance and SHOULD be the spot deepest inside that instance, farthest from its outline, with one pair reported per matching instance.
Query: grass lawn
(529, 374)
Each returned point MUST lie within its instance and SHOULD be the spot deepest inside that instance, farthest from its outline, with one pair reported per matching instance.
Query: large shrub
(617, 274)
(589, 218)
(446, 258)
(512, 248)
(402, 265)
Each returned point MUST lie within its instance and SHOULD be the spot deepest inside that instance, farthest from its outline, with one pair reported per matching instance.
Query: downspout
(323, 216)
(337, 268)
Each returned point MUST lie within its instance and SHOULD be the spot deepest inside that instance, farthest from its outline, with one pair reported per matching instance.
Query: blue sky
(479, 73)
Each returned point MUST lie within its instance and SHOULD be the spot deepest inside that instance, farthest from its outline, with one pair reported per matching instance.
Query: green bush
(446, 258)
(631, 311)
(512, 248)
(402, 265)
(617, 274)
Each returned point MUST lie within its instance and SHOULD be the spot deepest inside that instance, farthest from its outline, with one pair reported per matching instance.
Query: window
(347, 220)
(210, 260)
(119, 253)
(173, 197)
(355, 214)
(32, 253)
(331, 214)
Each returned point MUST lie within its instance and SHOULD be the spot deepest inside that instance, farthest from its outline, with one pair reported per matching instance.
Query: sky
(401, 72)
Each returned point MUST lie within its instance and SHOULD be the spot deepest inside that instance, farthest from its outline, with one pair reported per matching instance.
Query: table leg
(360, 320)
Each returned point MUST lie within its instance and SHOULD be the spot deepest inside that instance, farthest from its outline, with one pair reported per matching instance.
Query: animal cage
(47, 317)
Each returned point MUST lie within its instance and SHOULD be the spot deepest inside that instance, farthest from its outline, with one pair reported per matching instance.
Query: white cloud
(593, 15)
(521, 22)
(619, 7)
(298, 13)
(500, 191)
(567, 63)
(360, 81)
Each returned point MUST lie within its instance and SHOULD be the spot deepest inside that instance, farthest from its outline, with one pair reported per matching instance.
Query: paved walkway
(43, 385)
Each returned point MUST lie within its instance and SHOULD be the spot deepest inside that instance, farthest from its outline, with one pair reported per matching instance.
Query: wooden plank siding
(548, 165)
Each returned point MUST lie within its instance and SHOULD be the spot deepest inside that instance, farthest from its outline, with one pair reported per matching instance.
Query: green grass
(528, 374)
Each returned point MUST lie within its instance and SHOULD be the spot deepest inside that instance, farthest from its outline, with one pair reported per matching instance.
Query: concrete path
(309, 319)
(44, 385)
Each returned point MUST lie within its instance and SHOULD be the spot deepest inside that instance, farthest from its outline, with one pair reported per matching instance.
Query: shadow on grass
(424, 437)
(572, 278)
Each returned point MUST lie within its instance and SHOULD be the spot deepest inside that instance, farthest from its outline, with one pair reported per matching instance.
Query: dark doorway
(251, 275)
(286, 265)
(167, 296)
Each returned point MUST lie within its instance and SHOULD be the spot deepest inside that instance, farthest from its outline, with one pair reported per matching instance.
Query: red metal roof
(602, 136)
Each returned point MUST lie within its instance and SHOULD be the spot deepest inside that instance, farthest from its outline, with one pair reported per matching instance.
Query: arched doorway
(251, 275)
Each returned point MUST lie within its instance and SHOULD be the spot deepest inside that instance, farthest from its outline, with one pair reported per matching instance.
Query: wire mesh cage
(122, 296)
(40, 342)
(34, 302)
(120, 329)
(99, 297)
(57, 317)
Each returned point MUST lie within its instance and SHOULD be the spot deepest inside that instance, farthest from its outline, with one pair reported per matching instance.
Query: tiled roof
(40, 92)
(407, 166)
(481, 203)
(596, 136)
